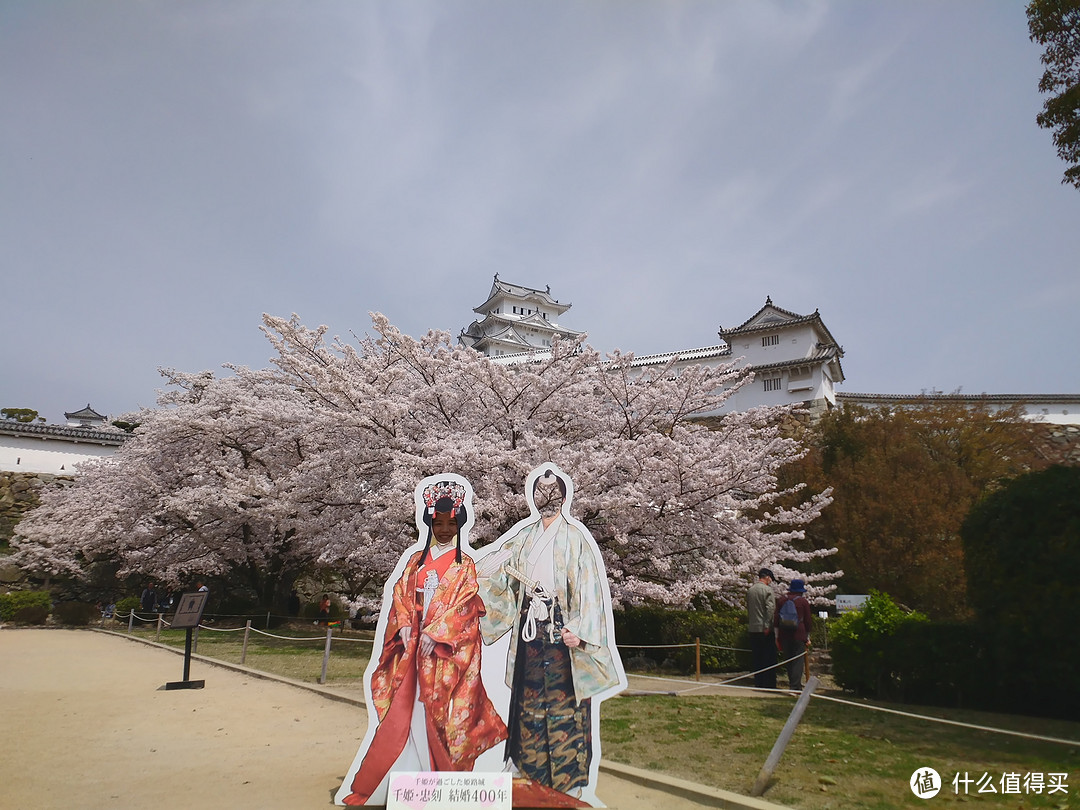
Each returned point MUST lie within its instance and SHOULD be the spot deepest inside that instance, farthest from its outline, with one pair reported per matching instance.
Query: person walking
(761, 608)
(793, 621)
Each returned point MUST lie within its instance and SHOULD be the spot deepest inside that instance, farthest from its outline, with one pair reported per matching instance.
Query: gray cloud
(171, 171)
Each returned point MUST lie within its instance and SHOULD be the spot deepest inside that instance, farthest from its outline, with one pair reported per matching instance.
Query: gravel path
(89, 725)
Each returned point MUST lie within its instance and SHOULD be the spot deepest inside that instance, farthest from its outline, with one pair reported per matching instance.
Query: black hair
(461, 515)
(550, 474)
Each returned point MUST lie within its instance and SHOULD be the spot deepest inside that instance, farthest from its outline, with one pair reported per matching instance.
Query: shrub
(15, 601)
(125, 606)
(76, 614)
(943, 664)
(31, 614)
(864, 644)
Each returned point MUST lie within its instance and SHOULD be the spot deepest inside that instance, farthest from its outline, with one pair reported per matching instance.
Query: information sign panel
(846, 602)
(189, 610)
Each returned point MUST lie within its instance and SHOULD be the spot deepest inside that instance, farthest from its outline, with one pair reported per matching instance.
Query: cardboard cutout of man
(431, 710)
(548, 604)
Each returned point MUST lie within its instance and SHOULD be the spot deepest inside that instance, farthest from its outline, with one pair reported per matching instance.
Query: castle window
(770, 340)
(772, 384)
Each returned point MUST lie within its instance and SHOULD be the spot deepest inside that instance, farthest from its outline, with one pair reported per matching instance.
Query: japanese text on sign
(449, 790)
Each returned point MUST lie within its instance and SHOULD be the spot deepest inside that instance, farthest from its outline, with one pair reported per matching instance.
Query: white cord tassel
(538, 612)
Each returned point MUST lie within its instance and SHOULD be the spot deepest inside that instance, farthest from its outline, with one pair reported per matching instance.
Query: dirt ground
(89, 725)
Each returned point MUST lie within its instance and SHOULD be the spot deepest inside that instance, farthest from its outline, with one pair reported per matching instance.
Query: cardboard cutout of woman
(431, 711)
(549, 609)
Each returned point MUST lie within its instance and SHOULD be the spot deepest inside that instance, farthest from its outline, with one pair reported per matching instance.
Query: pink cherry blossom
(308, 468)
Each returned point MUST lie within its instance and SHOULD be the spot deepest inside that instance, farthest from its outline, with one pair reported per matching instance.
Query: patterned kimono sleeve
(585, 618)
(400, 613)
(388, 673)
(496, 589)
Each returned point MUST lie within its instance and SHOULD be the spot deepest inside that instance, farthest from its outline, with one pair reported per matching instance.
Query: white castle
(57, 449)
(515, 321)
(795, 358)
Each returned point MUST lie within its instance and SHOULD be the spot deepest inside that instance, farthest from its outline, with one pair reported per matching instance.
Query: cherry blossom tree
(309, 467)
(197, 490)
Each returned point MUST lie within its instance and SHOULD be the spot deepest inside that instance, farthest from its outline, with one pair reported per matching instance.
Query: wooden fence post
(243, 652)
(326, 654)
(697, 656)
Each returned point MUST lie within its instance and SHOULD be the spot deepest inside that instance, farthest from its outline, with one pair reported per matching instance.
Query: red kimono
(461, 721)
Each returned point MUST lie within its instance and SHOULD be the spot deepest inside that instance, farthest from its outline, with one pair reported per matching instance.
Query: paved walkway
(89, 725)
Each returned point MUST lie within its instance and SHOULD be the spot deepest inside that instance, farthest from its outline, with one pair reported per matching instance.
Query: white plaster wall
(31, 454)
(1055, 414)
(795, 342)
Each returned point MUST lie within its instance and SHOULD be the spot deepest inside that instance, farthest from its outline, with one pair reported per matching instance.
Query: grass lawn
(840, 757)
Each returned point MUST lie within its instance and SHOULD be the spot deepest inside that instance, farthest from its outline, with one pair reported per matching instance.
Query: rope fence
(209, 625)
(729, 684)
(329, 638)
(688, 686)
(958, 723)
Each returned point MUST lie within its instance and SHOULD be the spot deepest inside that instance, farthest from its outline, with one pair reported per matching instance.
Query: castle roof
(690, 355)
(771, 317)
(501, 289)
(68, 433)
(820, 354)
(969, 399)
(86, 414)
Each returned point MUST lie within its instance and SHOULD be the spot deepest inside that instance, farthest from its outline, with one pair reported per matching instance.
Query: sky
(171, 170)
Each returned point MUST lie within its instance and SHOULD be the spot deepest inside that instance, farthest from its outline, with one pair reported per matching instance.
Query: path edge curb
(703, 794)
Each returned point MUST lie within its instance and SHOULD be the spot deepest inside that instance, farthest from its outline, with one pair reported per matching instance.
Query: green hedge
(652, 626)
(942, 664)
(125, 606)
(884, 653)
(1023, 563)
(25, 606)
(863, 644)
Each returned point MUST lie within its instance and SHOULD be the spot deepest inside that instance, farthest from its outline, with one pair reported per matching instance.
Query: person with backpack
(794, 621)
